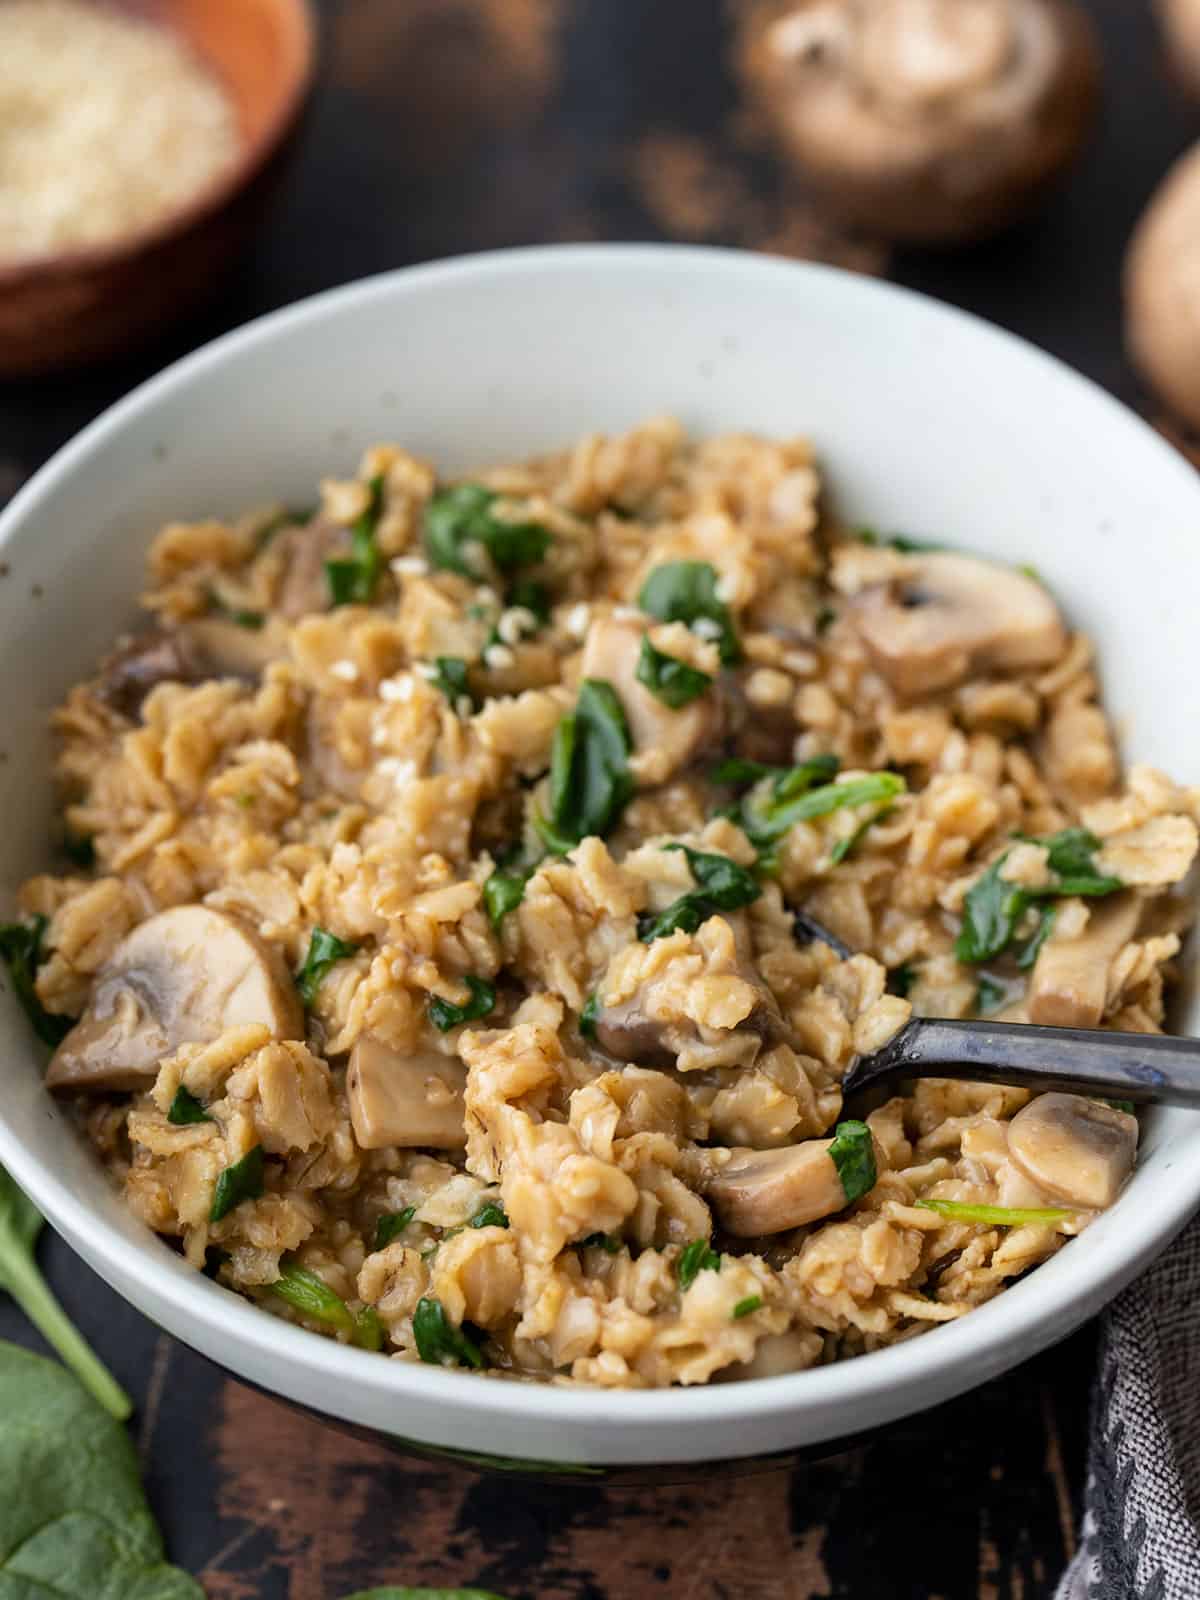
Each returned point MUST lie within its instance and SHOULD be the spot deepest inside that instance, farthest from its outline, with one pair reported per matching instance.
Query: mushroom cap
(405, 1100)
(768, 1191)
(183, 976)
(1069, 983)
(1162, 289)
(948, 615)
(1074, 1149)
(925, 119)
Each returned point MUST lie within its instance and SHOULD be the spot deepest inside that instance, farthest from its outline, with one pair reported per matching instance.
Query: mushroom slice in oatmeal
(427, 962)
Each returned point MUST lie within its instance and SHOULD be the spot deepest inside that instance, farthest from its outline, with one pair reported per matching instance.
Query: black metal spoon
(1146, 1068)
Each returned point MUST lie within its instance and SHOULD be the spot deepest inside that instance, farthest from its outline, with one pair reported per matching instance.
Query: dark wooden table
(449, 125)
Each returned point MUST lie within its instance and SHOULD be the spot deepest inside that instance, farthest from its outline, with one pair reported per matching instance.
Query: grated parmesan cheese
(107, 126)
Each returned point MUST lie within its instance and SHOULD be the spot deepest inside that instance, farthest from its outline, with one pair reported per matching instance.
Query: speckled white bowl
(926, 420)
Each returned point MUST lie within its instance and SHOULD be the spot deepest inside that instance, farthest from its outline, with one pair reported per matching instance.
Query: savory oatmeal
(429, 965)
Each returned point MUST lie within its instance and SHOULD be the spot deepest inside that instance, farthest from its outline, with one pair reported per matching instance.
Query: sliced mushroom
(226, 649)
(303, 553)
(1162, 290)
(769, 1191)
(1076, 1150)
(1069, 983)
(952, 615)
(635, 1031)
(664, 740)
(405, 1100)
(161, 655)
(931, 120)
(183, 976)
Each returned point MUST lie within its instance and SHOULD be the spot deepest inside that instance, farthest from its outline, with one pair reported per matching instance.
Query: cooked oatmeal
(430, 969)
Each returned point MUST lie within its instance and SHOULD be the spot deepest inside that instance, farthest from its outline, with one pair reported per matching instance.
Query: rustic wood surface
(448, 125)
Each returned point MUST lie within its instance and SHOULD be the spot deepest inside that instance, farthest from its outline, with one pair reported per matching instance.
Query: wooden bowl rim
(213, 198)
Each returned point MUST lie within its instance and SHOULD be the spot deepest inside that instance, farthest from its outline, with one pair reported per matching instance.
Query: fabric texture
(1140, 1539)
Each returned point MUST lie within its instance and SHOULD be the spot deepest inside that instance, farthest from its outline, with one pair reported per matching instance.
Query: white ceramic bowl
(926, 420)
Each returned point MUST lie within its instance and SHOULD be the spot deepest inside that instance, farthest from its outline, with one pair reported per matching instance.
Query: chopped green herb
(590, 781)
(242, 1181)
(995, 1216)
(391, 1225)
(902, 978)
(739, 774)
(352, 579)
(668, 679)
(439, 1342)
(490, 1216)
(994, 908)
(695, 1258)
(444, 1014)
(853, 1154)
(589, 1016)
(767, 817)
(723, 886)
(81, 849)
(600, 1241)
(325, 950)
(847, 847)
(989, 995)
(369, 1332)
(503, 892)
(21, 951)
(185, 1109)
(686, 591)
(305, 1292)
(752, 1302)
(452, 677)
(20, 1225)
(462, 516)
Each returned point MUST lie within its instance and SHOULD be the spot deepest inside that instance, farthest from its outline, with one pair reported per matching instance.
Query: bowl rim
(51, 265)
(957, 1355)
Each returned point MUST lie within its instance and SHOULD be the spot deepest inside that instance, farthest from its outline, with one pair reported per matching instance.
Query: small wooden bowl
(59, 311)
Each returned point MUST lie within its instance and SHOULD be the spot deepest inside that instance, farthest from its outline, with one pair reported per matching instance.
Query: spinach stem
(37, 1300)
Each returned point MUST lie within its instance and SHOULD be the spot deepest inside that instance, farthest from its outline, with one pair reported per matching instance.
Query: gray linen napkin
(1140, 1539)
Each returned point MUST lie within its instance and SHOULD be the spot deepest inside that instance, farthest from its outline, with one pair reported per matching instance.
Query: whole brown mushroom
(929, 121)
(1162, 290)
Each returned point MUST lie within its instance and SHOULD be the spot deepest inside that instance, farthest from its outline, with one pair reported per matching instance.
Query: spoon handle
(1142, 1067)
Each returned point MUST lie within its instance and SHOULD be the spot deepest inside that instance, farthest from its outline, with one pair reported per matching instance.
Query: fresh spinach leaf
(767, 816)
(462, 516)
(20, 1224)
(242, 1181)
(21, 951)
(325, 950)
(532, 596)
(994, 908)
(995, 1216)
(590, 781)
(847, 847)
(695, 1258)
(369, 1331)
(74, 1523)
(352, 578)
(185, 1109)
(312, 1297)
(503, 892)
(853, 1154)
(686, 591)
(668, 679)
(439, 1342)
(391, 1225)
(723, 886)
(444, 1014)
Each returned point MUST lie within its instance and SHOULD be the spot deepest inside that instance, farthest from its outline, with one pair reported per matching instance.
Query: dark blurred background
(444, 126)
